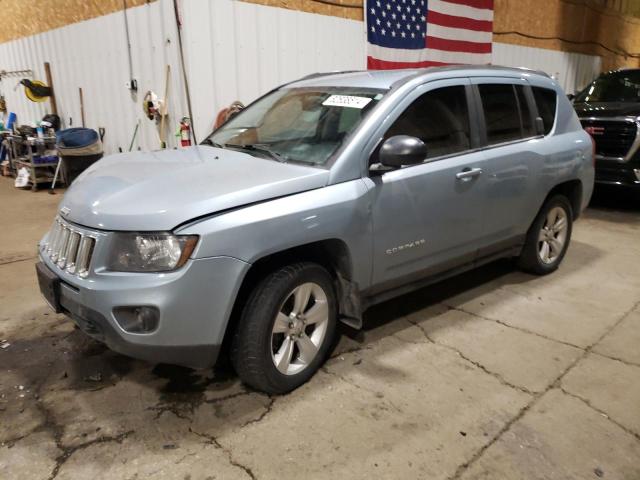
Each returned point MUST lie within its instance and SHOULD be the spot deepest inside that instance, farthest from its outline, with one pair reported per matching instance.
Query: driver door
(428, 218)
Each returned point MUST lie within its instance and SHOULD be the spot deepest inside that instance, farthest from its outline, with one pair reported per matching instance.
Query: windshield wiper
(260, 147)
(208, 141)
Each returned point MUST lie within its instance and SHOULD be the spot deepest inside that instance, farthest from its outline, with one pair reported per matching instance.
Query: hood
(607, 109)
(159, 190)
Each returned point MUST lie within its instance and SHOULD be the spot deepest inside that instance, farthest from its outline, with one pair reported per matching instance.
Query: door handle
(469, 173)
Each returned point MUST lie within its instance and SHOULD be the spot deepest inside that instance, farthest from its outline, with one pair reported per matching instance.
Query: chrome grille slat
(69, 248)
(66, 233)
(72, 251)
(84, 256)
(62, 245)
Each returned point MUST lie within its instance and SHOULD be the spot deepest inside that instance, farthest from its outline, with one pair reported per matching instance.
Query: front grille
(614, 138)
(69, 248)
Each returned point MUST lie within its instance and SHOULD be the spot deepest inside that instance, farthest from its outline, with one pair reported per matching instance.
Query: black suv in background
(609, 109)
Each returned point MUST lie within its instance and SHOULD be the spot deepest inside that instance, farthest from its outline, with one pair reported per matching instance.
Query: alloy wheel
(553, 235)
(299, 328)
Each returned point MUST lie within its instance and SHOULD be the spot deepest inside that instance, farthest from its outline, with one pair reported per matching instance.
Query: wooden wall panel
(22, 18)
(353, 8)
(574, 26)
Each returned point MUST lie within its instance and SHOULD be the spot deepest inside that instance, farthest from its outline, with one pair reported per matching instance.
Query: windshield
(623, 86)
(304, 125)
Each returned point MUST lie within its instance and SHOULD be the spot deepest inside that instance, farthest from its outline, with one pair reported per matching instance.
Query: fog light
(137, 319)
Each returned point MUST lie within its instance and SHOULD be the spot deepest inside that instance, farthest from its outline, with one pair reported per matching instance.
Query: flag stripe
(460, 34)
(457, 45)
(437, 18)
(427, 54)
(456, 10)
(375, 64)
(484, 4)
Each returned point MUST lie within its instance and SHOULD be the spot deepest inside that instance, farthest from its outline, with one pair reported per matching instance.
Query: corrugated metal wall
(93, 55)
(572, 70)
(233, 51)
(238, 51)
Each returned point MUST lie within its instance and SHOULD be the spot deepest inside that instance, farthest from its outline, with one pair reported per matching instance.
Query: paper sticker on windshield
(346, 101)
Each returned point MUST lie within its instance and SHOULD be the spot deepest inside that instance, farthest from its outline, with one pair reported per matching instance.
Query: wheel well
(332, 254)
(573, 191)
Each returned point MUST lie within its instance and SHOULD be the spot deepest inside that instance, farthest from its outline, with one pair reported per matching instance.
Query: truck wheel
(548, 238)
(286, 328)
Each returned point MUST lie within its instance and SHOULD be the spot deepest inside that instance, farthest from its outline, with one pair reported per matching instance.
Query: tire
(274, 323)
(532, 259)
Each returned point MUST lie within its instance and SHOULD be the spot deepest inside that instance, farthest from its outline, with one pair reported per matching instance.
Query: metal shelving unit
(25, 152)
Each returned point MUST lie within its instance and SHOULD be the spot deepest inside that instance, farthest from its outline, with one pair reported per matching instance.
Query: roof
(385, 79)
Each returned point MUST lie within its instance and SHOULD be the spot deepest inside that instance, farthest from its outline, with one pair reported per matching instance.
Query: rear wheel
(286, 328)
(548, 238)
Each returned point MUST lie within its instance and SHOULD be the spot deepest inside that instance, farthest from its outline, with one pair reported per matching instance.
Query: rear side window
(546, 100)
(501, 113)
(440, 118)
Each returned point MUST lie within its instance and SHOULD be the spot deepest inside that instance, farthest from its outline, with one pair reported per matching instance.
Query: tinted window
(440, 118)
(620, 86)
(528, 128)
(501, 114)
(546, 102)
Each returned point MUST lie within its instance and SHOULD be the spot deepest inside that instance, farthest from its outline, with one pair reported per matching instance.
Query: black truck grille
(614, 138)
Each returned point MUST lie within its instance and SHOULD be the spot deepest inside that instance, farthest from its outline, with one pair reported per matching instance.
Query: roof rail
(324, 74)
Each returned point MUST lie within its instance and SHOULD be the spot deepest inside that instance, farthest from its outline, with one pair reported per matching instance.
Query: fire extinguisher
(185, 132)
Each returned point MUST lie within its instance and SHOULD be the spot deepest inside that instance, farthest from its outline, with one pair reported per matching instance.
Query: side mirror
(402, 150)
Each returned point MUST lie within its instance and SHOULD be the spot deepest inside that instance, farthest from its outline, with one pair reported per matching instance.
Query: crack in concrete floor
(536, 397)
(212, 440)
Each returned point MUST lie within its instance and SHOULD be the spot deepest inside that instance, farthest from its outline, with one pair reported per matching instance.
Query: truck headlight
(150, 252)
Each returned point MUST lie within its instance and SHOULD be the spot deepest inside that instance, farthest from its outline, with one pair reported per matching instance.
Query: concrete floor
(491, 375)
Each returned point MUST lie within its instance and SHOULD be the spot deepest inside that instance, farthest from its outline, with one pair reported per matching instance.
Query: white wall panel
(238, 51)
(233, 51)
(572, 70)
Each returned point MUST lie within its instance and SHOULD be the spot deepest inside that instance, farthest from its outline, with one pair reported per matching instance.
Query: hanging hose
(184, 70)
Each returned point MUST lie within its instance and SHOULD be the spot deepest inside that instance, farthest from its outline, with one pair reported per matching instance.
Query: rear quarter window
(546, 100)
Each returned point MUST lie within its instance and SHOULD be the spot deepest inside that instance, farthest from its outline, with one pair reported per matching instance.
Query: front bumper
(194, 302)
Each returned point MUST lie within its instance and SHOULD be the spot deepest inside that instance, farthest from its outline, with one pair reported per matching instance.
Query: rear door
(512, 159)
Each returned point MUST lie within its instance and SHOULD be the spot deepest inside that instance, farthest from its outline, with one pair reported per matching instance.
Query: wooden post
(164, 110)
(81, 106)
(52, 98)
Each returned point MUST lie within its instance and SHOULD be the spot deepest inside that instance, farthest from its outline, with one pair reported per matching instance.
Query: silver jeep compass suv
(323, 197)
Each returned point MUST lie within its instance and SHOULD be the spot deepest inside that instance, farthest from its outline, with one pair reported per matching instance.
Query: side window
(528, 128)
(501, 114)
(440, 118)
(546, 100)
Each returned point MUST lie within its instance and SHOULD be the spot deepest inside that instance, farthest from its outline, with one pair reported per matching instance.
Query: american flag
(425, 33)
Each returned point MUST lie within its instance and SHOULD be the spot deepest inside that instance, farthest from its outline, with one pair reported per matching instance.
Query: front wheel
(286, 328)
(548, 238)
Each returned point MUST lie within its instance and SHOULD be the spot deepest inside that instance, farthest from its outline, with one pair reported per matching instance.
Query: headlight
(152, 252)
